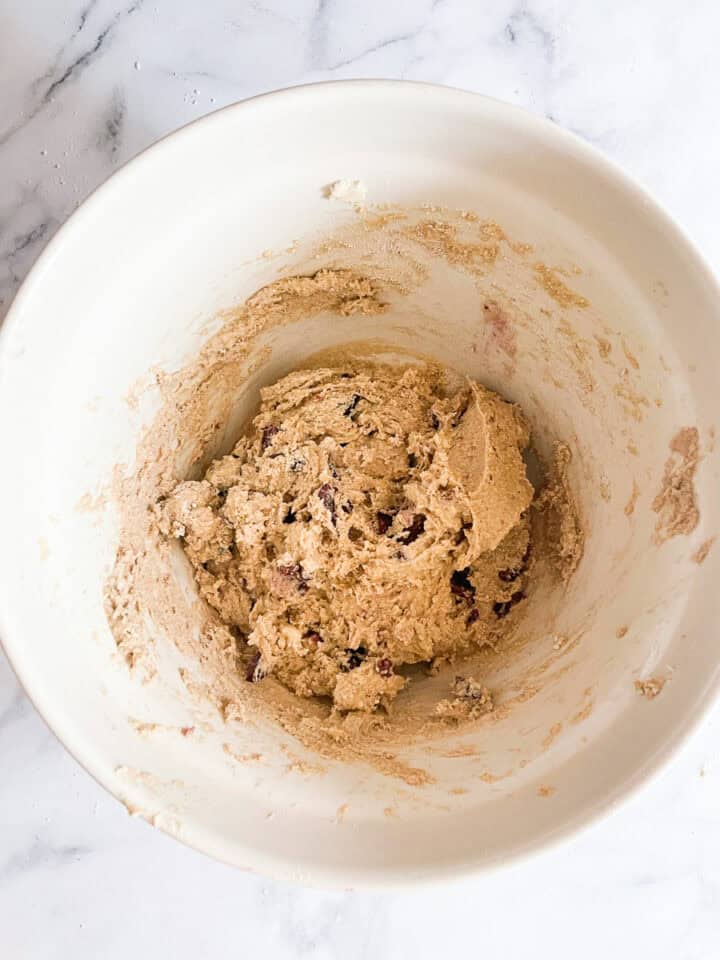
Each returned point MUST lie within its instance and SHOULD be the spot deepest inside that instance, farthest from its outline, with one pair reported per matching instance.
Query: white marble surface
(84, 85)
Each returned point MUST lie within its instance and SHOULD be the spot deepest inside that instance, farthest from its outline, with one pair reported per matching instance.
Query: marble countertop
(86, 84)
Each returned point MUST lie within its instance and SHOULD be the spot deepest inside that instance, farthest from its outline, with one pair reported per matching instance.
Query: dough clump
(366, 522)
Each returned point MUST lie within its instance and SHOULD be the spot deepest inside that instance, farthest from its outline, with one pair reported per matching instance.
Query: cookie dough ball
(366, 522)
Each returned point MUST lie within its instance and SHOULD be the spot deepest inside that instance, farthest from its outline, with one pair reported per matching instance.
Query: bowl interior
(612, 345)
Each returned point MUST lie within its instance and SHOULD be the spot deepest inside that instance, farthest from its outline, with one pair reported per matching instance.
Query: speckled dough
(368, 521)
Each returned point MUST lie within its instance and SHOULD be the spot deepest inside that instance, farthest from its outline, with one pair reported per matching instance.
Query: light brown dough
(676, 501)
(367, 522)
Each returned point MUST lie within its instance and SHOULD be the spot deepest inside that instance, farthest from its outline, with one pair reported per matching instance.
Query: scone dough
(366, 522)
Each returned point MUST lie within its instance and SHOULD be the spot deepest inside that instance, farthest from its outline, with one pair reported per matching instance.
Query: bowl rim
(376, 877)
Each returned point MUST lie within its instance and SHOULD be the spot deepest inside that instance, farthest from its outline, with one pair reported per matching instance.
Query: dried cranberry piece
(293, 571)
(472, 617)
(347, 507)
(268, 433)
(411, 533)
(383, 522)
(503, 607)
(314, 636)
(326, 495)
(354, 659)
(384, 667)
(461, 586)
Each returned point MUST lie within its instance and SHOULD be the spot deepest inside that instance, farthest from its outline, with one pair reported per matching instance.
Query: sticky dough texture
(367, 521)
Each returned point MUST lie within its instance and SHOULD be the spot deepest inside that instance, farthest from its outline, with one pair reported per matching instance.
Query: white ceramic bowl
(130, 283)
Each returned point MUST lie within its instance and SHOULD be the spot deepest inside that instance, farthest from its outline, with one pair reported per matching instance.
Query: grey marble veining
(86, 85)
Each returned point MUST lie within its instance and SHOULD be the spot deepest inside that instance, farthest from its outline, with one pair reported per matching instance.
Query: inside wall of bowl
(136, 287)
